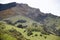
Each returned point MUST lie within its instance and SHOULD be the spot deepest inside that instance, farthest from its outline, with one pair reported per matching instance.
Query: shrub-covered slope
(9, 32)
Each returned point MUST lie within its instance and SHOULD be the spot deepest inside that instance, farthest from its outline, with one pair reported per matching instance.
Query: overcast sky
(46, 6)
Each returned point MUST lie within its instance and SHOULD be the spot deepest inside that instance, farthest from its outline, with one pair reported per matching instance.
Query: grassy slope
(8, 36)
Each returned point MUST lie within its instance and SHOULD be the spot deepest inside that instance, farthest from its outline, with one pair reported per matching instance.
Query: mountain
(32, 19)
(14, 8)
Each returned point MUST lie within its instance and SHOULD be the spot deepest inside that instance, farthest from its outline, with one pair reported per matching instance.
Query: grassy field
(5, 34)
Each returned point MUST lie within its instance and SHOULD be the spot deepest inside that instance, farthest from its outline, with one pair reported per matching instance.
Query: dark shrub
(41, 35)
(24, 30)
(1, 39)
(20, 21)
(27, 39)
(36, 35)
(21, 26)
(29, 33)
(45, 37)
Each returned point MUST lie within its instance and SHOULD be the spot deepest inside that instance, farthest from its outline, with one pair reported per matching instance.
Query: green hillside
(9, 32)
(29, 30)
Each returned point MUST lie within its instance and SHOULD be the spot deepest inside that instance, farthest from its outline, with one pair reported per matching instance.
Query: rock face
(48, 20)
(7, 6)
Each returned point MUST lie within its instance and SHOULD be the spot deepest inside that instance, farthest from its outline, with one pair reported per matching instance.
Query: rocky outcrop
(7, 6)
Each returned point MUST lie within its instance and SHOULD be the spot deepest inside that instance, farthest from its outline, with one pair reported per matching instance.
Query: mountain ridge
(24, 9)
